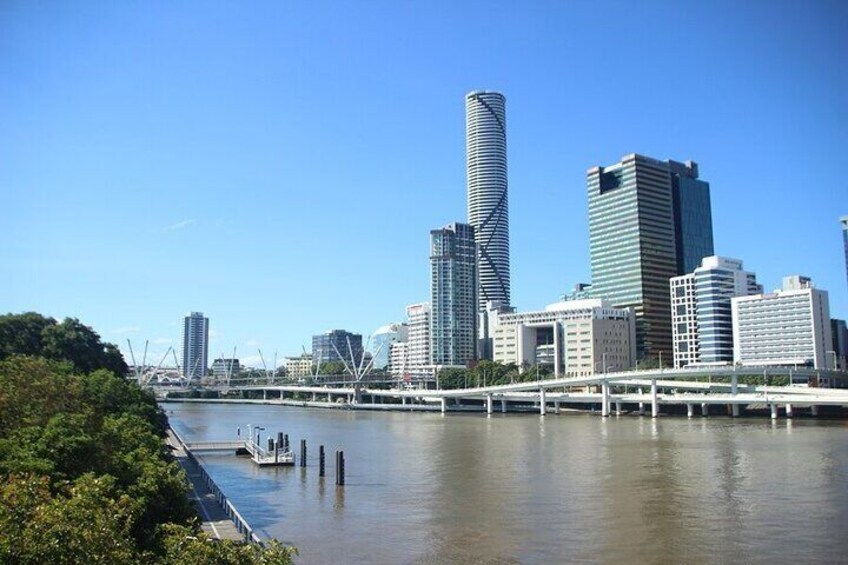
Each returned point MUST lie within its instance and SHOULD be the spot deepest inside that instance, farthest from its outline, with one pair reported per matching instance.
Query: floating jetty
(276, 454)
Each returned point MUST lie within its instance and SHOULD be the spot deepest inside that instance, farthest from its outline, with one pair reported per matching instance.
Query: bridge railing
(242, 525)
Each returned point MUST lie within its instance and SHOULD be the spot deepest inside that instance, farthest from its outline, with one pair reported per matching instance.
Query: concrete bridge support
(488, 404)
(774, 411)
(690, 410)
(788, 410)
(605, 402)
(314, 396)
(705, 409)
(264, 395)
(444, 405)
(503, 405)
(655, 407)
(641, 408)
(734, 389)
(543, 408)
(556, 406)
(618, 408)
(814, 410)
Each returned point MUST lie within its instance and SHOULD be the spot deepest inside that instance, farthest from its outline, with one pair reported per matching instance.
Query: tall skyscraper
(488, 201)
(634, 208)
(701, 320)
(195, 345)
(844, 221)
(453, 289)
(693, 219)
(632, 245)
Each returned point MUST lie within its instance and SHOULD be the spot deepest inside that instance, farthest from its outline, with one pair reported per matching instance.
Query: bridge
(690, 387)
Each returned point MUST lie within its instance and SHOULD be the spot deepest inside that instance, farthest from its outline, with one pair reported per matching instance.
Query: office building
(337, 346)
(574, 337)
(844, 221)
(221, 368)
(701, 320)
(399, 359)
(789, 327)
(634, 208)
(839, 335)
(300, 366)
(382, 340)
(195, 351)
(453, 293)
(418, 358)
(488, 200)
(693, 220)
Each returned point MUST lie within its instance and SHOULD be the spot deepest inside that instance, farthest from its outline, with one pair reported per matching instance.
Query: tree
(79, 344)
(21, 334)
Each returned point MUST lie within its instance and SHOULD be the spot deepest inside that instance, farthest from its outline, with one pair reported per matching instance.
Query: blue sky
(278, 166)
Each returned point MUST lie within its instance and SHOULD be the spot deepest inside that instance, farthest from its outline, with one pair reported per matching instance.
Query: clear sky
(278, 166)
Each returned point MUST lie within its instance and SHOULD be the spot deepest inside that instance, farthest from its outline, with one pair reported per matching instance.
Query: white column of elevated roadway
(690, 410)
(734, 388)
(605, 404)
(774, 411)
(542, 402)
(705, 409)
(655, 407)
(503, 405)
(489, 403)
(444, 405)
(788, 410)
(618, 408)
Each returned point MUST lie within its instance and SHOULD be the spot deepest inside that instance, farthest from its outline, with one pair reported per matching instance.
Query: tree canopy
(33, 334)
(85, 476)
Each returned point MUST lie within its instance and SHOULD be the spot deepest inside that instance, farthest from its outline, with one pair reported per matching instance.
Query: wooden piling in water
(303, 453)
(340, 470)
(321, 461)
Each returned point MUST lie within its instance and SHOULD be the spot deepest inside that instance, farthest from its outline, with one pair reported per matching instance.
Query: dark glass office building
(648, 220)
(333, 346)
(693, 219)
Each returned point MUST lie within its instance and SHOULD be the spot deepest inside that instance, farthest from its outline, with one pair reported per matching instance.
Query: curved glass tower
(488, 203)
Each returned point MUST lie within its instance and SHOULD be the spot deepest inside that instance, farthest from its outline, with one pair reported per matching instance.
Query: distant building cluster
(659, 293)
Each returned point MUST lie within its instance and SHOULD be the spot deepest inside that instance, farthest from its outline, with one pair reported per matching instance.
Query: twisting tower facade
(488, 201)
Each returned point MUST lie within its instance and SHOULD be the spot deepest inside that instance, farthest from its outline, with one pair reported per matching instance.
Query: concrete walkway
(215, 522)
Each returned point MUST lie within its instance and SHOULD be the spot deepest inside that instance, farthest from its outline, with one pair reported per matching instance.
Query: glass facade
(693, 222)
(333, 347)
(195, 345)
(453, 288)
(632, 245)
(844, 221)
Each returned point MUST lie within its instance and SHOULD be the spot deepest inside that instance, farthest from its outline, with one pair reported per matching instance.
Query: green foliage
(71, 341)
(332, 368)
(84, 474)
(185, 546)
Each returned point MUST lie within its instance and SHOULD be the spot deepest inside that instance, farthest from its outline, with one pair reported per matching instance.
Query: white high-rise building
(195, 351)
(576, 337)
(701, 320)
(488, 201)
(418, 359)
(398, 358)
(788, 327)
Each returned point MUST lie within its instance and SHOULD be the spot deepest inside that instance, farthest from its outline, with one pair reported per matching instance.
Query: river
(522, 488)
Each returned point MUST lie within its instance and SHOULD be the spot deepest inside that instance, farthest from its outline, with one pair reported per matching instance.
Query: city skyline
(140, 140)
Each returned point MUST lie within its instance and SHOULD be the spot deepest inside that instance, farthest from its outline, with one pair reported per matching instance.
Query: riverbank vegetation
(85, 476)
